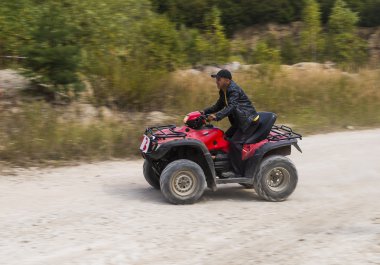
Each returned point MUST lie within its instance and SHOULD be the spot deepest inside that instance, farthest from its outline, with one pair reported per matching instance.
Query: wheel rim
(183, 183)
(277, 179)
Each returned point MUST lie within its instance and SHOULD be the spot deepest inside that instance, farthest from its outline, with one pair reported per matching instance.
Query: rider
(244, 119)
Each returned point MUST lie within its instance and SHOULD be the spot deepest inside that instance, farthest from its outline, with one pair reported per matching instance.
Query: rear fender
(191, 149)
(282, 147)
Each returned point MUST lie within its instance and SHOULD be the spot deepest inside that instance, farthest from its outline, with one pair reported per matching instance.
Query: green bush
(54, 53)
(212, 46)
(268, 59)
(290, 52)
(312, 40)
(345, 47)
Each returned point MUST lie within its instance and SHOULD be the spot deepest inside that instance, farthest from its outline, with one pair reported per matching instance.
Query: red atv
(181, 161)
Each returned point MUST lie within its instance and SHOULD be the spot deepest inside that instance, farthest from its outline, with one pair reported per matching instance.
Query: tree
(369, 13)
(191, 41)
(345, 47)
(342, 19)
(290, 52)
(234, 14)
(157, 45)
(17, 21)
(54, 53)
(311, 37)
(268, 58)
(213, 46)
(263, 54)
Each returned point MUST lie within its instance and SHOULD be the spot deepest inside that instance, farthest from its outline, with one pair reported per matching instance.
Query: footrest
(234, 180)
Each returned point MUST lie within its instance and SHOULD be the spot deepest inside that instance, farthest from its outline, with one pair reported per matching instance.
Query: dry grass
(37, 134)
(312, 101)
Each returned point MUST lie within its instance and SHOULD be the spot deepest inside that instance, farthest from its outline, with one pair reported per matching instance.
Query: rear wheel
(277, 178)
(150, 175)
(182, 182)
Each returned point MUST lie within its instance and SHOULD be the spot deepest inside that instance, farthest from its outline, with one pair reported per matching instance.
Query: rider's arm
(216, 107)
(232, 104)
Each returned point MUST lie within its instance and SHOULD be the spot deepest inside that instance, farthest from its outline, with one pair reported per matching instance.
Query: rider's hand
(211, 117)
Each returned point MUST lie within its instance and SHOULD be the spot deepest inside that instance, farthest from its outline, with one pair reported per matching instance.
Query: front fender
(206, 161)
(166, 147)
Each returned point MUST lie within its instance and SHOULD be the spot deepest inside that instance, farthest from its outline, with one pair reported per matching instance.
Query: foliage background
(130, 54)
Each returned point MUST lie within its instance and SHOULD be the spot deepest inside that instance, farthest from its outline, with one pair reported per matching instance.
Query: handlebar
(205, 116)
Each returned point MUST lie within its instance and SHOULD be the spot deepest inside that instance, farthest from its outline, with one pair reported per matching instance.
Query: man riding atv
(244, 119)
(182, 160)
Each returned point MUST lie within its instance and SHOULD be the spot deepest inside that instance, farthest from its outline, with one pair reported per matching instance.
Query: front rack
(282, 132)
(158, 132)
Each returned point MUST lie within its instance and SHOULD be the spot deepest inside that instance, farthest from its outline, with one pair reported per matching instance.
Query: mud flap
(297, 147)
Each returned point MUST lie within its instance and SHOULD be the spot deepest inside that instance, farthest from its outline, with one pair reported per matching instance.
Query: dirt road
(105, 213)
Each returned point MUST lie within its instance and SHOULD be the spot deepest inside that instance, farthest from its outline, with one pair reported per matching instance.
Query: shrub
(54, 54)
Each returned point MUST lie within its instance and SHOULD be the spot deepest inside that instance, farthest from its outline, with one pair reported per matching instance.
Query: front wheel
(182, 182)
(277, 178)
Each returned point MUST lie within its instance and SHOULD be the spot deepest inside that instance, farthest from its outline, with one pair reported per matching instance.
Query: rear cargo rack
(158, 132)
(282, 132)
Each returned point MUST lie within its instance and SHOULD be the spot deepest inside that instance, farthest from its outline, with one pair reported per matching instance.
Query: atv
(182, 161)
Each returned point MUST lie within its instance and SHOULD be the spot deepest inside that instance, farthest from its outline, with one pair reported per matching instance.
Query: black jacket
(236, 105)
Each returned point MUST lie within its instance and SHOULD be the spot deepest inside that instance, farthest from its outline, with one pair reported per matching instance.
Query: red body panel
(193, 115)
(250, 149)
(213, 138)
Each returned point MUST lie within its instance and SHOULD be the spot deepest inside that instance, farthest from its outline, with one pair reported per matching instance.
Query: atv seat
(267, 120)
